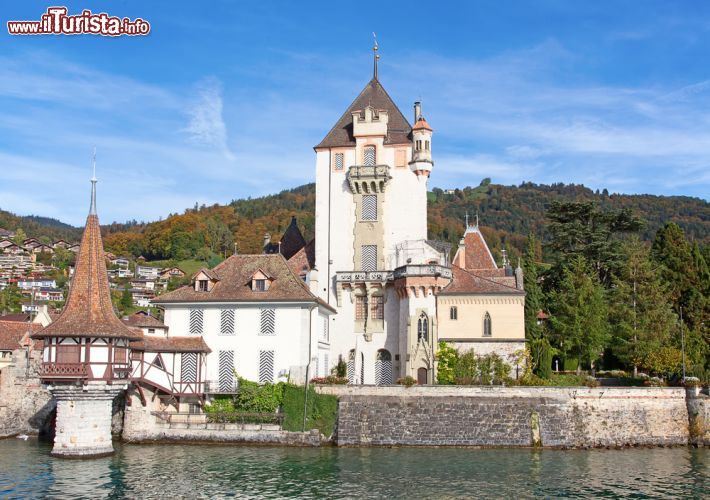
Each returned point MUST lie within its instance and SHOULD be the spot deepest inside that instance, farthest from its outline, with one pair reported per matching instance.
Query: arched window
(453, 313)
(426, 145)
(369, 156)
(487, 329)
(423, 328)
(383, 368)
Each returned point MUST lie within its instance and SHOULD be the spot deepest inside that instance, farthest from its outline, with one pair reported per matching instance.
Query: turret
(86, 354)
(421, 163)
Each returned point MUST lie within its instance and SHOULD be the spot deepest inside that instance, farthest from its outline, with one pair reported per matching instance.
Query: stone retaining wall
(26, 405)
(140, 425)
(510, 416)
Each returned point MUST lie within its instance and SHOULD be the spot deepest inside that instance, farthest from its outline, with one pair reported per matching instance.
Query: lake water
(178, 471)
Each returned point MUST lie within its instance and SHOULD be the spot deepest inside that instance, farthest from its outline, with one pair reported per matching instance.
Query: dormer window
(260, 281)
(205, 280)
(203, 285)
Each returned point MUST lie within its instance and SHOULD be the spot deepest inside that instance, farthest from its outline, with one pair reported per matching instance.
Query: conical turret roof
(89, 311)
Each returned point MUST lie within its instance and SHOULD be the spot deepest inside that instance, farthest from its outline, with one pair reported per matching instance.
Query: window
(369, 156)
(351, 366)
(360, 307)
(226, 371)
(419, 145)
(377, 307)
(338, 161)
(400, 158)
(324, 335)
(266, 366)
(268, 322)
(453, 313)
(487, 325)
(68, 353)
(151, 330)
(369, 207)
(188, 367)
(260, 285)
(369, 257)
(226, 326)
(196, 321)
(423, 328)
(426, 145)
(120, 355)
(158, 362)
(384, 374)
(203, 285)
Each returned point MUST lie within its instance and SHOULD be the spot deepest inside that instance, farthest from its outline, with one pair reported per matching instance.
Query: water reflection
(177, 471)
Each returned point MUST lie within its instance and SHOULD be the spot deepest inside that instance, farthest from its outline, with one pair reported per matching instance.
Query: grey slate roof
(398, 130)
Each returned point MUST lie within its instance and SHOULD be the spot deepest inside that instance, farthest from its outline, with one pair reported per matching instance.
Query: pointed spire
(92, 208)
(376, 56)
(88, 311)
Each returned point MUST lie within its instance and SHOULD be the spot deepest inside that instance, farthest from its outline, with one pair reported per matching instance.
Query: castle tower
(371, 198)
(86, 355)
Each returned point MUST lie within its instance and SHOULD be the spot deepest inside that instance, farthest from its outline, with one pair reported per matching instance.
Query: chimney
(417, 111)
(313, 281)
(267, 240)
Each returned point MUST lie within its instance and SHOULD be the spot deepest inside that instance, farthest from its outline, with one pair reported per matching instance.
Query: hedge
(322, 410)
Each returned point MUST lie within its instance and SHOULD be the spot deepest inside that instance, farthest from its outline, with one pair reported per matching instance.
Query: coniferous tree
(640, 313)
(579, 313)
(533, 291)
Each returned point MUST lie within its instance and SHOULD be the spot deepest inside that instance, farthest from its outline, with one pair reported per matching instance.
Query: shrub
(692, 382)
(545, 352)
(257, 398)
(220, 404)
(321, 412)
(330, 379)
(407, 381)
(448, 358)
(341, 369)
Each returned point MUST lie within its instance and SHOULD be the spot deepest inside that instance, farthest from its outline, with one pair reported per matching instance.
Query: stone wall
(26, 406)
(141, 425)
(510, 416)
(698, 417)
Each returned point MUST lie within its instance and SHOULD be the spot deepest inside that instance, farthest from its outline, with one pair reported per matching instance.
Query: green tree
(10, 299)
(20, 236)
(640, 313)
(533, 292)
(126, 300)
(447, 357)
(583, 229)
(579, 313)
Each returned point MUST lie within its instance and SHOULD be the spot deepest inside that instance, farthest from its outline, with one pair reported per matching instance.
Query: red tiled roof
(467, 282)
(422, 124)
(88, 310)
(141, 319)
(234, 285)
(152, 343)
(12, 335)
(398, 128)
(304, 260)
(478, 256)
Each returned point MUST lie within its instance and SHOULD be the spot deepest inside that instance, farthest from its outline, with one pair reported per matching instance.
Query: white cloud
(207, 125)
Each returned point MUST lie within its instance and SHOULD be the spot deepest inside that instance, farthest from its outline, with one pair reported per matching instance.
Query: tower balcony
(422, 270)
(368, 178)
(363, 276)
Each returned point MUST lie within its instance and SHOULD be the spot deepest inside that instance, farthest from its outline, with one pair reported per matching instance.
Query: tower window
(369, 156)
(487, 331)
(423, 328)
(360, 307)
(377, 307)
(369, 257)
(453, 313)
(369, 207)
(426, 145)
(338, 161)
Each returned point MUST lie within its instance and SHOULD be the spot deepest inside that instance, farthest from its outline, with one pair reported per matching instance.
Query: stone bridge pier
(83, 425)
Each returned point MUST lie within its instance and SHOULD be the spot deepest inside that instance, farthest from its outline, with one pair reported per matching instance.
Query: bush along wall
(321, 412)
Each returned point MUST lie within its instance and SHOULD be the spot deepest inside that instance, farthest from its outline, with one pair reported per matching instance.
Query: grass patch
(322, 410)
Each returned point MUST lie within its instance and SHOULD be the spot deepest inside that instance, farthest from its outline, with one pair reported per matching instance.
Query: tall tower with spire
(86, 354)
(372, 170)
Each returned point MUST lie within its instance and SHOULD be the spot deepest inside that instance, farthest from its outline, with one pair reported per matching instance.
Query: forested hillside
(38, 227)
(506, 213)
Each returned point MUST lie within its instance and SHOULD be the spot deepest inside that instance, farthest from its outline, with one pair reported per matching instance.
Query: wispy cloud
(207, 125)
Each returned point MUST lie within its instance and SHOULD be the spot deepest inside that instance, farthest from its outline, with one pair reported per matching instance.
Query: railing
(220, 417)
(369, 171)
(422, 270)
(64, 370)
(217, 387)
(360, 276)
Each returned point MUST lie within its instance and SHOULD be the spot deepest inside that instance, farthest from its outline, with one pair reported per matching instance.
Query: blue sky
(227, 101)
